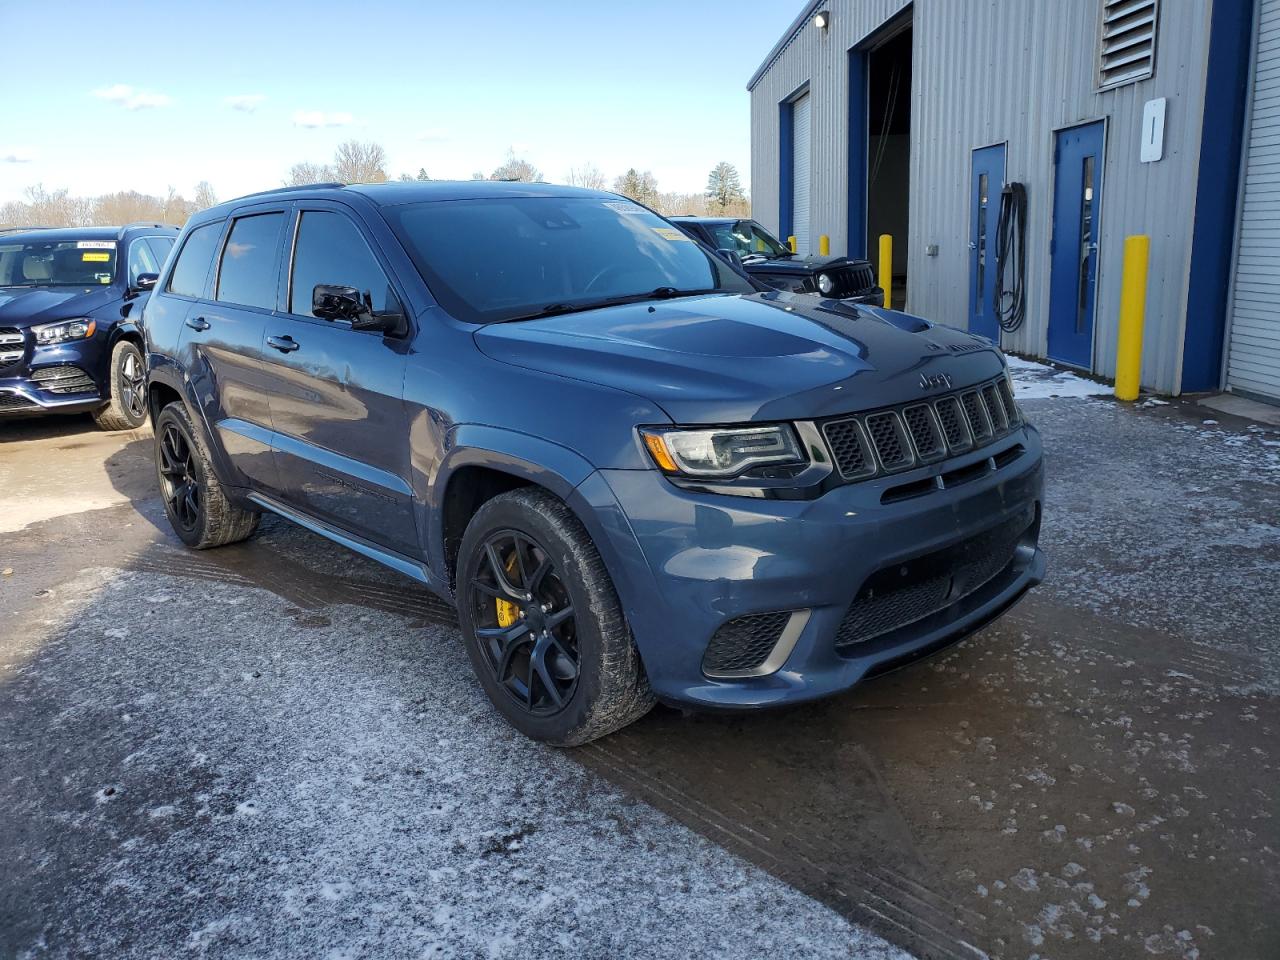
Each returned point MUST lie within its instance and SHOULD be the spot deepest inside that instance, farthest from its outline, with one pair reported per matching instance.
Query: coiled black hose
(1011, 258)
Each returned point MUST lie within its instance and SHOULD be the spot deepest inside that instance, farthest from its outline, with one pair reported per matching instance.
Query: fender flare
(528, 458)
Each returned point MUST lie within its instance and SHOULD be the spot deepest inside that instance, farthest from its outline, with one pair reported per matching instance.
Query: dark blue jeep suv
(636, 472)
(70, 299)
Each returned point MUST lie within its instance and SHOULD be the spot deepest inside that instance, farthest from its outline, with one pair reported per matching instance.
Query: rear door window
(330, 249)
(194, 260)
(248, 274)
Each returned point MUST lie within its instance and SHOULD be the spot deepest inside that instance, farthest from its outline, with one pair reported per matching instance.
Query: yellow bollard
(1133, 309)
(791, 242)
(824, 246)
(886, 269)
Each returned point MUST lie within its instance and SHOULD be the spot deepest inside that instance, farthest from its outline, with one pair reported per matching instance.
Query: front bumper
(64, 378)
(687, 563)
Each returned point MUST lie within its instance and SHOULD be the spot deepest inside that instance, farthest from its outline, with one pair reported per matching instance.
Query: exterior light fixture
(822, 19)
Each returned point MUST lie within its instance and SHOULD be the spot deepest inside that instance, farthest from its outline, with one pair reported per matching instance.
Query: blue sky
(236, 92)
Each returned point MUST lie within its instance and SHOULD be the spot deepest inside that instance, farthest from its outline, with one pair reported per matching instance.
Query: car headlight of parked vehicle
(64, 331)
(722, 451)
(825, 283)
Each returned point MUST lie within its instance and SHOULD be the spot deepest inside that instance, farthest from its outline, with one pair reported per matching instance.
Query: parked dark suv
(70, 299)
(636, 473)
(771, 261)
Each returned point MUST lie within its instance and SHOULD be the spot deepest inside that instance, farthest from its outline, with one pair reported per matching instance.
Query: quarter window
(248, 273)
(331, 250)
(192, 269)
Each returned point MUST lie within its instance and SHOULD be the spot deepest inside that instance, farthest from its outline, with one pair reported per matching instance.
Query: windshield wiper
(658, 293)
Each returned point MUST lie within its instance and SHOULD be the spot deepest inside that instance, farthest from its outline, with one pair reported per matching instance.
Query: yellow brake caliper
(507, 612)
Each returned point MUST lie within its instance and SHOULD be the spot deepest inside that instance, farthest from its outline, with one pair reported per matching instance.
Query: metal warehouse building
(1117, 117)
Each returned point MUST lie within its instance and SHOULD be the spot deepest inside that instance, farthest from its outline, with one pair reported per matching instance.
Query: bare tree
(56, 208)
(588, 175)
(724, 186)
(641, 187)
(205, 197)
(516, 168)
(357, 162)
(301, 174)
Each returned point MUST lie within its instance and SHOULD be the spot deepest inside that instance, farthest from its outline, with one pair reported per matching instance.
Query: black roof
(417, 191)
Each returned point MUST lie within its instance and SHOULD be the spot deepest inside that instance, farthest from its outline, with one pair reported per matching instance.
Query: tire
(127, 408)
(194, 500)
(591, 680)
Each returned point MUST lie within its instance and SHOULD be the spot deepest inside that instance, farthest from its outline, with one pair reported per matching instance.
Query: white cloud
(244, 102)
(434, 135)
(16, 154)
(318, 118)
(132, 99)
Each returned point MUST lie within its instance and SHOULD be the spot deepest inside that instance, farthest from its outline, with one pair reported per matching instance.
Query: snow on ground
(1039, 381)
(242, 778)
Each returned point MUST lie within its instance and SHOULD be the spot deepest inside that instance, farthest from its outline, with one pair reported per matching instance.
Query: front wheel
(127, 408)
(194, 501)
(542, 623)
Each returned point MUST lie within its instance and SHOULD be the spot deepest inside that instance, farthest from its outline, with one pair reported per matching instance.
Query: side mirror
(733, 256)
(331, 301)
(146, 281)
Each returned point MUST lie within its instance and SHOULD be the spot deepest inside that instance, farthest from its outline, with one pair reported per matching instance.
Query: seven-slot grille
(890, 441)
(11, 346)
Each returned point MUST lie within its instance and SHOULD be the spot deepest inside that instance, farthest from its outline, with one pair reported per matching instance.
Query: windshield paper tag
(622, 206)
(95, 257)
(95, 245)
(671, 233)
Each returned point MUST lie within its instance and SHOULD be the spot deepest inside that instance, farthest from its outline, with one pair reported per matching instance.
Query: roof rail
(147, 223)
(26, 228)
(334, 185)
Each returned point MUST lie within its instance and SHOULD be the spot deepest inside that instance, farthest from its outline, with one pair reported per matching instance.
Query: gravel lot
(278, 749)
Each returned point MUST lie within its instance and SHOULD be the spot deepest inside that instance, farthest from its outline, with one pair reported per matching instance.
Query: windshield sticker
(671, 233)
(95, 245)
(622, 206)
(103, 277)
(90, 257)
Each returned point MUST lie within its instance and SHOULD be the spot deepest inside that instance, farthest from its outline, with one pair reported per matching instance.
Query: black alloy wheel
(180, 478)
(525, 624)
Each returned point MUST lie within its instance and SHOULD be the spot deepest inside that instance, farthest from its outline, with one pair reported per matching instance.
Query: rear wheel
(542, 622)
(127, 408)
(194, 501)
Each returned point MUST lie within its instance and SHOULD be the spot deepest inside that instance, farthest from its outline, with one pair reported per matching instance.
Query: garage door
(800, 174)
(1253, 359)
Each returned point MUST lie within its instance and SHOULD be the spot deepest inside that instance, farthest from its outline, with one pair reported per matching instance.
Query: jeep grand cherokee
(637, 473)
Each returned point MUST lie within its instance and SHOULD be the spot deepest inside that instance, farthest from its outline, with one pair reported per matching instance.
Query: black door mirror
(146, 281)
(332, 301)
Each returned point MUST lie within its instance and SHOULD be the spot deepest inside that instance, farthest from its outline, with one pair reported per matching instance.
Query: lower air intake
(743, 644)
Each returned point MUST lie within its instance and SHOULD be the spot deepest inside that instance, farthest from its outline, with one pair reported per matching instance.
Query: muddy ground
(277, 748)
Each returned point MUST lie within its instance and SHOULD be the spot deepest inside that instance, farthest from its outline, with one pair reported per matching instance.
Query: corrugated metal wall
(990, 71)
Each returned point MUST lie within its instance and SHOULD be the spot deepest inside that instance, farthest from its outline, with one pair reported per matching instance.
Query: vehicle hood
(765, 356)
(24, 306)
(797, 266)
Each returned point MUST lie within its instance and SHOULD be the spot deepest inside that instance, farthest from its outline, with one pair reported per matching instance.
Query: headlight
(64, 330)
(722, 451)
(825, 283)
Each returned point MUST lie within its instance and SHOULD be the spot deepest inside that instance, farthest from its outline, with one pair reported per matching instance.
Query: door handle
(198, 323)
(283, 344)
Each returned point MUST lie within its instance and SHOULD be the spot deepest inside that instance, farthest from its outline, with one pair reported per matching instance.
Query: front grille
(11, 346)
(744, 643)
(63, 379)
(15, 401)
(905, 593)
(890, 441)
(848, 279)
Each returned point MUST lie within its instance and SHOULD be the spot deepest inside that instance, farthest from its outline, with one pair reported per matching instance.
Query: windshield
(65, 263)
(510, 258)
(747, 238)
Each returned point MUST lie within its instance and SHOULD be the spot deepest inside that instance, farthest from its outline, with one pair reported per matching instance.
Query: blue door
(1073, 253)
(985, 184)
